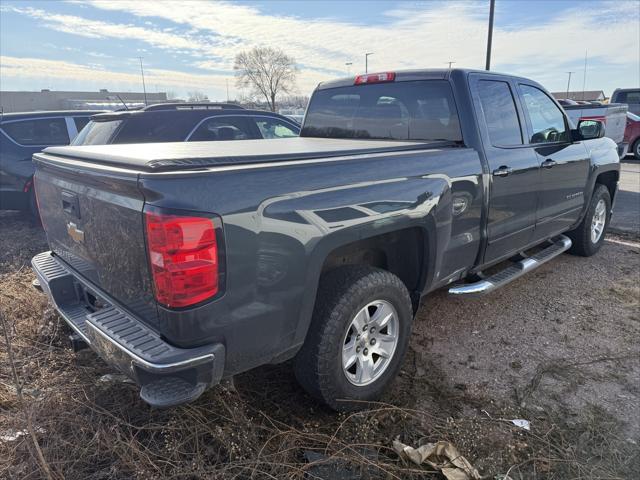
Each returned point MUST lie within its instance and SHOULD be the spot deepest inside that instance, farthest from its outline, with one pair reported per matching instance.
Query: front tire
(357, 339)
(588, 238)
(636, 149)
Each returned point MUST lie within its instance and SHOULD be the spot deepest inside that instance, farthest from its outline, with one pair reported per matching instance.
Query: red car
(632, 134)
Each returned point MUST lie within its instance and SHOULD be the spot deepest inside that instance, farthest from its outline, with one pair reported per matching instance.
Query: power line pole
(492, 7)
(366, 62)
(144, 88)
(569, 83)
(584, 75)
(227, 81)
(450, 63)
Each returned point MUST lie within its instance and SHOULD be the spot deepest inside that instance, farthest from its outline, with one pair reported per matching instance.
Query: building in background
(587, 95)
(58, 100)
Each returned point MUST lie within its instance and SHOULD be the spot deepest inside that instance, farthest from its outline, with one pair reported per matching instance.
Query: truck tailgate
(93, 221)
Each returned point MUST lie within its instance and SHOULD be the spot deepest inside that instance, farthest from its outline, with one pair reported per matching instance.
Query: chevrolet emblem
(75, 233)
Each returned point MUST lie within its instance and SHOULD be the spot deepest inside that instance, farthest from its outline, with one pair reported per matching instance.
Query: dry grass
(262, 426)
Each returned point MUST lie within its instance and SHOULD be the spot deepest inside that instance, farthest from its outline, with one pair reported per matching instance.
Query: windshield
(417, 110)
(96, 133)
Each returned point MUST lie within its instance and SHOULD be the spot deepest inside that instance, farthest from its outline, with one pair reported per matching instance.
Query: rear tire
(589, 236)
(636, 149)
(33, 207)
(348, 300)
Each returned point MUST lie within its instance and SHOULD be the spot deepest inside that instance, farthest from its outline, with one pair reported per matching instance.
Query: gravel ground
(558, 347)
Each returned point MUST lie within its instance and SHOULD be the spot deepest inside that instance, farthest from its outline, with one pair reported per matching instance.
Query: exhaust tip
(77, 343)
(36, 284)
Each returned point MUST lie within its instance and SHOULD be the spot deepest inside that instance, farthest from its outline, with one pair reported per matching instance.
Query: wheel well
(400, 252)
(609, 180)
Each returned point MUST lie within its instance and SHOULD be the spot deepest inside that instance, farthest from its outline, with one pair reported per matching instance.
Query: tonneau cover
(186, 155)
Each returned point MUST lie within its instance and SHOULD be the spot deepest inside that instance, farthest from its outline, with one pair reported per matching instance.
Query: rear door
(23, 138)
(513, 166)
(564, 165)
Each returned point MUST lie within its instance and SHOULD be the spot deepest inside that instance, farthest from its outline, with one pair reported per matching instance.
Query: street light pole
(492, 7)
(569, 83)
(348, 65)
(144, 88)
(366, 62)
(450, 63)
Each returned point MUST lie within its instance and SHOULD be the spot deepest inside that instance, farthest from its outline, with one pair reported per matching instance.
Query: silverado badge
(75, 233)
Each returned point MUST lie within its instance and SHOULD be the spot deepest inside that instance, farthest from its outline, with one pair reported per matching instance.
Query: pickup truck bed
(157, 157)
(613, 115)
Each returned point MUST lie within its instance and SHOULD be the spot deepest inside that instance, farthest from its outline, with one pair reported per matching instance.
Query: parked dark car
(630, 96)
(182, 122)
(632, 134)
(22, 135)
(183, 263)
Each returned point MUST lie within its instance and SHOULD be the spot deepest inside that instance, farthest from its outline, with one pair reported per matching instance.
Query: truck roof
(418, 74)
(189, 155)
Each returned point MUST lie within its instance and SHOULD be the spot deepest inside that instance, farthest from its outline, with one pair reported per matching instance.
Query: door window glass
(547, 120)
(223, 128)
(44, 131)
(275, 128)
(500, 113)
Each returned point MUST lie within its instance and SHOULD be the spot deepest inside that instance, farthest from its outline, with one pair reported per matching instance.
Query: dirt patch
(558, 348)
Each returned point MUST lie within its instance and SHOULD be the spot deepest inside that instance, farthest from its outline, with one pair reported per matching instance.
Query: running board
(559, 245)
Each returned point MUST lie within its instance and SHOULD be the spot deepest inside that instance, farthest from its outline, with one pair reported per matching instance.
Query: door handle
(548, 163)
(503, 171)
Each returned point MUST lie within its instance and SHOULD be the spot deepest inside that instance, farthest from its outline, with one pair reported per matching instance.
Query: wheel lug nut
(357, 349)
(366, 351)
(373, 341)
(365, 328)
(373, 330)
(357, 337)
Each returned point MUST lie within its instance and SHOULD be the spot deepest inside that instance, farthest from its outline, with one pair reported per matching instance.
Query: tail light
(184, 258)
(375, 78)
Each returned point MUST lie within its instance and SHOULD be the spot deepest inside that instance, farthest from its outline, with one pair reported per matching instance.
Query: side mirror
(589, 129)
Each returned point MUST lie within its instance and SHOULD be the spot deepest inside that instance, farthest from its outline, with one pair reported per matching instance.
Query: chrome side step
(559, 245)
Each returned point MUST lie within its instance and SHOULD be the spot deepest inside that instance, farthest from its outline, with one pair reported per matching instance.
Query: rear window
(418, 110)
(43, 131)
(155, 127)
(632, 96)
(96, 133)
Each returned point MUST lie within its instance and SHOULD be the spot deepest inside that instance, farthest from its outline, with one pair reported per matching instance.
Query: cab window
(546, 119)
(412, 110)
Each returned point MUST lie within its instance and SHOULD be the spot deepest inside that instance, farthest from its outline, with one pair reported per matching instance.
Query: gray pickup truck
(185, 263)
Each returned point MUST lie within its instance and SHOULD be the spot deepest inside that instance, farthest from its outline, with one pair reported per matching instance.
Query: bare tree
(267, 72)
(296, 101)
(197, 96)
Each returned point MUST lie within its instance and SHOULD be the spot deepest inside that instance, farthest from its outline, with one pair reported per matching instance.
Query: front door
(564, 165)
(513, 166)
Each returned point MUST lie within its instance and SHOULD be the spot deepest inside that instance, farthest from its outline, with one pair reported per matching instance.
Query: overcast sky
(190, 45)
